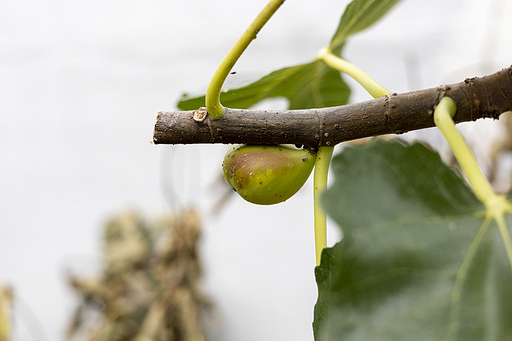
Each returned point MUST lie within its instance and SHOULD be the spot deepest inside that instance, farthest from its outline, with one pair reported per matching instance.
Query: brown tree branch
(478, 97)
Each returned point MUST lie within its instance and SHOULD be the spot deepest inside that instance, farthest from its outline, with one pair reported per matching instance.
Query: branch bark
(478, 97)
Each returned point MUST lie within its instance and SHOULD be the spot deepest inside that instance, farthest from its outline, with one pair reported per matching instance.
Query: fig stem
(497, 206)
(323, 160)
(370, 84)
(443, 114)
(213, 105)
(324, 154)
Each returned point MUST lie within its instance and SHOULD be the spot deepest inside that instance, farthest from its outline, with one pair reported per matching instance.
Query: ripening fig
(267, 175)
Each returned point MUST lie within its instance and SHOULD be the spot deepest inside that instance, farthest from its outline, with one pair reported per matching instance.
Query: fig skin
(267, 174)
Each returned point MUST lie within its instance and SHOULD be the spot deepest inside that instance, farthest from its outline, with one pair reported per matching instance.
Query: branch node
(200, 114)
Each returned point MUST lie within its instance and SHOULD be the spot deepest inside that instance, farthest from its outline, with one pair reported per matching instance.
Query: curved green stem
(323, 159)
(443, 120)
(370, 84)
(213, 105)
(324, 155)
(496, 205)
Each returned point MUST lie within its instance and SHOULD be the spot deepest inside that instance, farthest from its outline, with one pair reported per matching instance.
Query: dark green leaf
(359, 15)
(417, 261)
(312, 85)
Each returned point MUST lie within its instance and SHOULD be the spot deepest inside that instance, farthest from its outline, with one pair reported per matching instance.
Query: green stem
(370, 84)
(213, 105)
(323, 159)
(324, 155)
(443, 114)
(496, 205)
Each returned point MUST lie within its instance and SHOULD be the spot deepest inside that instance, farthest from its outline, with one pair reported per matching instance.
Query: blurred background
(81, 83)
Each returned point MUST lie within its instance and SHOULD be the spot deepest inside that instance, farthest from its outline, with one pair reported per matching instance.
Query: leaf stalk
(443, 114)
(323, 160)
(370, 84)
(497, 206)
(325, 152)
(213, 105)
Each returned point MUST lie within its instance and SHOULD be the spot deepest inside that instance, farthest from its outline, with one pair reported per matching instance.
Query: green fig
(267, 175)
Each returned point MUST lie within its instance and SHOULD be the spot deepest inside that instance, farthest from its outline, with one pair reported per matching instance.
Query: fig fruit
(267, 175)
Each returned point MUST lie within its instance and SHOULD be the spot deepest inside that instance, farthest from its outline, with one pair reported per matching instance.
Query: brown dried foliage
(149, 289)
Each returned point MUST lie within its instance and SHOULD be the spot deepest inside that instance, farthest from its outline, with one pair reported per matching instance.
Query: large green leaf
(416, 261)
(312, 85)
(359, 15)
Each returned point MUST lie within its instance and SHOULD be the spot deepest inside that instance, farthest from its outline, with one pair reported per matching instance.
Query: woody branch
(478, 97)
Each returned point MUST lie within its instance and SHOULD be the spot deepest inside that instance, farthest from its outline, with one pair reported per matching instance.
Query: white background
(80, 85)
